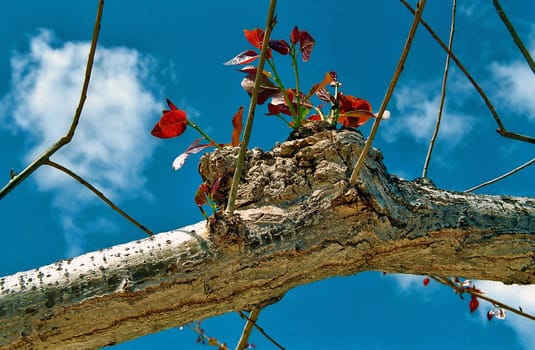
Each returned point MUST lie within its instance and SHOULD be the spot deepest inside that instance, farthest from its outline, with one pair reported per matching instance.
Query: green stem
(283, 119)
(297, 94)
(280, 85)
(205, 135)
(270, 22)
(336, 107)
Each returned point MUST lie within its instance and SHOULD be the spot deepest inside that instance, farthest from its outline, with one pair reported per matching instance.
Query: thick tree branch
(297, 220)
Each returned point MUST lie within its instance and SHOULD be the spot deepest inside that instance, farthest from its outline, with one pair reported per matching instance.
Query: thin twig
(261, 330)
(246, 333)
(389, 92)
(501, 128)
(98, 194)
(43, 158)
(204, 339)
(270, 22)
(471, 291)
(515, 36)
(442, 94)
(501, 177)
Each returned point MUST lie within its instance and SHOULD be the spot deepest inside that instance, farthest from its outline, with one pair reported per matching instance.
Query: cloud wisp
(517, 88)
(417, 109)
(111, 144)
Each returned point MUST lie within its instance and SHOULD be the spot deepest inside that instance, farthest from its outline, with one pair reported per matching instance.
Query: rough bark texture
(297, 221)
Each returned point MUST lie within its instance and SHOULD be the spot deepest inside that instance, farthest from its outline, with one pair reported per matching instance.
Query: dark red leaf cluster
(306, 42)
(279, 104)
(205, 194)
(256, 38)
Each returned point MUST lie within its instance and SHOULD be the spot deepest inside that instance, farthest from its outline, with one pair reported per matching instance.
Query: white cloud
(408, 282)
(416, 109)
(517, 86)
(512, 295)
(112, 141)
(110, 145)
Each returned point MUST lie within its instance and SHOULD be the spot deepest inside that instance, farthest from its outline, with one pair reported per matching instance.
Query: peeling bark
(297, 221)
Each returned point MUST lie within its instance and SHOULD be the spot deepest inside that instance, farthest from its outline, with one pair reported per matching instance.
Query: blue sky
(149, 51)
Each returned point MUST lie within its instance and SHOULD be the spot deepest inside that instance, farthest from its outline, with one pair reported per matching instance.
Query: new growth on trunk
(297, 220)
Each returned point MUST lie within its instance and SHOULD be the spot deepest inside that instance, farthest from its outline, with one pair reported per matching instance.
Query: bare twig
(515, 36)
(389, 92)
(442, 93)
(98, 193)
(501, 177)
(204, 339)
(43, 158)
(501, 128)
(246, 333)
(270, 22)
(471, 291)
(261, 330)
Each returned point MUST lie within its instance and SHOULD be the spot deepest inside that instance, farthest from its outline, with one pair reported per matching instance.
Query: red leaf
(314, 117)
(490, 315)
(426, 281)
(237, 124)
(215, 186)
(255, 37)
(266, 88)
(307, 44)
(273, 109)
(200, 195)
(327, 79)
(173, 123)
(294, 36)
(334, 77)
(324, 95)
(473, 304)
(171, 105)
(354, 111)
(350, 103)
(243, 57)
(281, 46)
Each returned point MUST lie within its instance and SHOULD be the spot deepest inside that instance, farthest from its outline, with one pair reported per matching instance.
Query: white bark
(297, 221)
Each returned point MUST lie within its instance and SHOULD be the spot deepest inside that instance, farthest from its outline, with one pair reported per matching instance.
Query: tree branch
(442, 93)
(501, 128)
(99, 194)
(246, 333)
(393, 82)
(65, 139)
(516, 37)
(297, 220)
